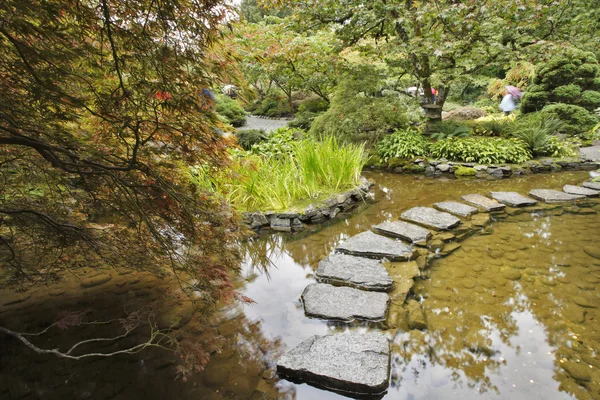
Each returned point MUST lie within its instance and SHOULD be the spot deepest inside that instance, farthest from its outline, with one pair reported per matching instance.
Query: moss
(396, 162)
(465, 171)
(413, 168)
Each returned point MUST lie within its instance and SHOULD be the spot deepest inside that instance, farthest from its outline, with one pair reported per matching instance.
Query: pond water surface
(512, 313)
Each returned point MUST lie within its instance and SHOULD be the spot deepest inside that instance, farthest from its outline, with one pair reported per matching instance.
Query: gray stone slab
(483, 202)
(430, 217)
(348, 362)
(343, 303)
(403, 230)
(583, 191)
(553, 196)
(456, 208)
(360, 272)
(591, 185)
(513, 199)
(369, 244)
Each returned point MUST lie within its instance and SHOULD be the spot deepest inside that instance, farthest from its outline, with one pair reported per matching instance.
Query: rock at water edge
(513, 199)
(350, 363)
(454, 207)
(369, 244)
(431, 218)
(553, 196)
(403, 230)
(343, 303)
(483, 202)
(582, 191)
(363, 273)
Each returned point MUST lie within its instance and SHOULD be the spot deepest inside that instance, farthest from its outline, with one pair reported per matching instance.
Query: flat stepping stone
(583, 191)
(513, 199)
(431, 218)
(363, 273)
(456, 208)
(483, 202)
(403, 230)
(350, 363)
(343, 303)
(553, 196)
(369, 244)
(591, 185)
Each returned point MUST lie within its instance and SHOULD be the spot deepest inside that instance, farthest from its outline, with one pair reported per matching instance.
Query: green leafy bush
(230, 110)
(273, 105)
(576, 119)
(492, 125)
(448, 129)
(536, 130)
(278, 144)
(569, 93)
(481, 150)
(249, 137)
(308, 110)
(402, 144)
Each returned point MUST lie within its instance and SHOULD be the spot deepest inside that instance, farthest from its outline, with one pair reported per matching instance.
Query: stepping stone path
(369, 244)
(363, 273)
(456, 208)
(357, 364)
(344, 362)
(431, 218)
(403, 230)
(591, 185)
(513, 199)
(553, 196)
(344, 303)
(582, 191)
(483, 202)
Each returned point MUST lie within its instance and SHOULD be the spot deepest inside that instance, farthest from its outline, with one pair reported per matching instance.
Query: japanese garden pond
(512, 313)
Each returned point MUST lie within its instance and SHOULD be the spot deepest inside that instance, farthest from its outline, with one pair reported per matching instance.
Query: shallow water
(504, 313)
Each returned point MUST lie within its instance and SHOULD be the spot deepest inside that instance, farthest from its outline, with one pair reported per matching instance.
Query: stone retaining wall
(314, 214)
(443, 166)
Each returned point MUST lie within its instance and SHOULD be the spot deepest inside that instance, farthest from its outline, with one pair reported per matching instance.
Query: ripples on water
(512, 313)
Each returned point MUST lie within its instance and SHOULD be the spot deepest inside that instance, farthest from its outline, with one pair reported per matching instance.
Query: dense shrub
(249, 137)
(230, 110)
(481, 150)
(402, 144)
(520, 75)
(576, 119)
(273, 105)
(536, 130)
(449, 129)
(466, 113)
(356, 116)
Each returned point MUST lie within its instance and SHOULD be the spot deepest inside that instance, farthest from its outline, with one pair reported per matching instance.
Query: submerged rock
(344, 303)
(583, 191)
(369, 244)
(553, 196)
(416, 319)
(348, 362)
(592, 251)
(513, 199)
(430, 217)
(483, 202)
(403, 230)
(360, 272)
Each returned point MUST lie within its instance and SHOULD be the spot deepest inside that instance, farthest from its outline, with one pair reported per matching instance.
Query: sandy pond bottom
(512, 314)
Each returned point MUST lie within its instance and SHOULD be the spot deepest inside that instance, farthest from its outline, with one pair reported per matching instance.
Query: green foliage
(310, 171)
(576, 119)
(249, 137)
(481, 150)
(314, 105)
(402, 144)
(278, 144)
(233, 113)
(449, 129)
(307, 111)
(590, 99)
(492, 125)
(561, 148)
(273, 105)
(465, 171)
(536, 130)
(568, 93)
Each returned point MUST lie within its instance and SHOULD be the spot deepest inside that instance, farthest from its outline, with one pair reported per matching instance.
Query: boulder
(363, 273)
(431, 218)
(281, 225)
(369, 244)
(342, 303)
(483, 202)
(513, 199)
(403, 230)
(350, 363)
